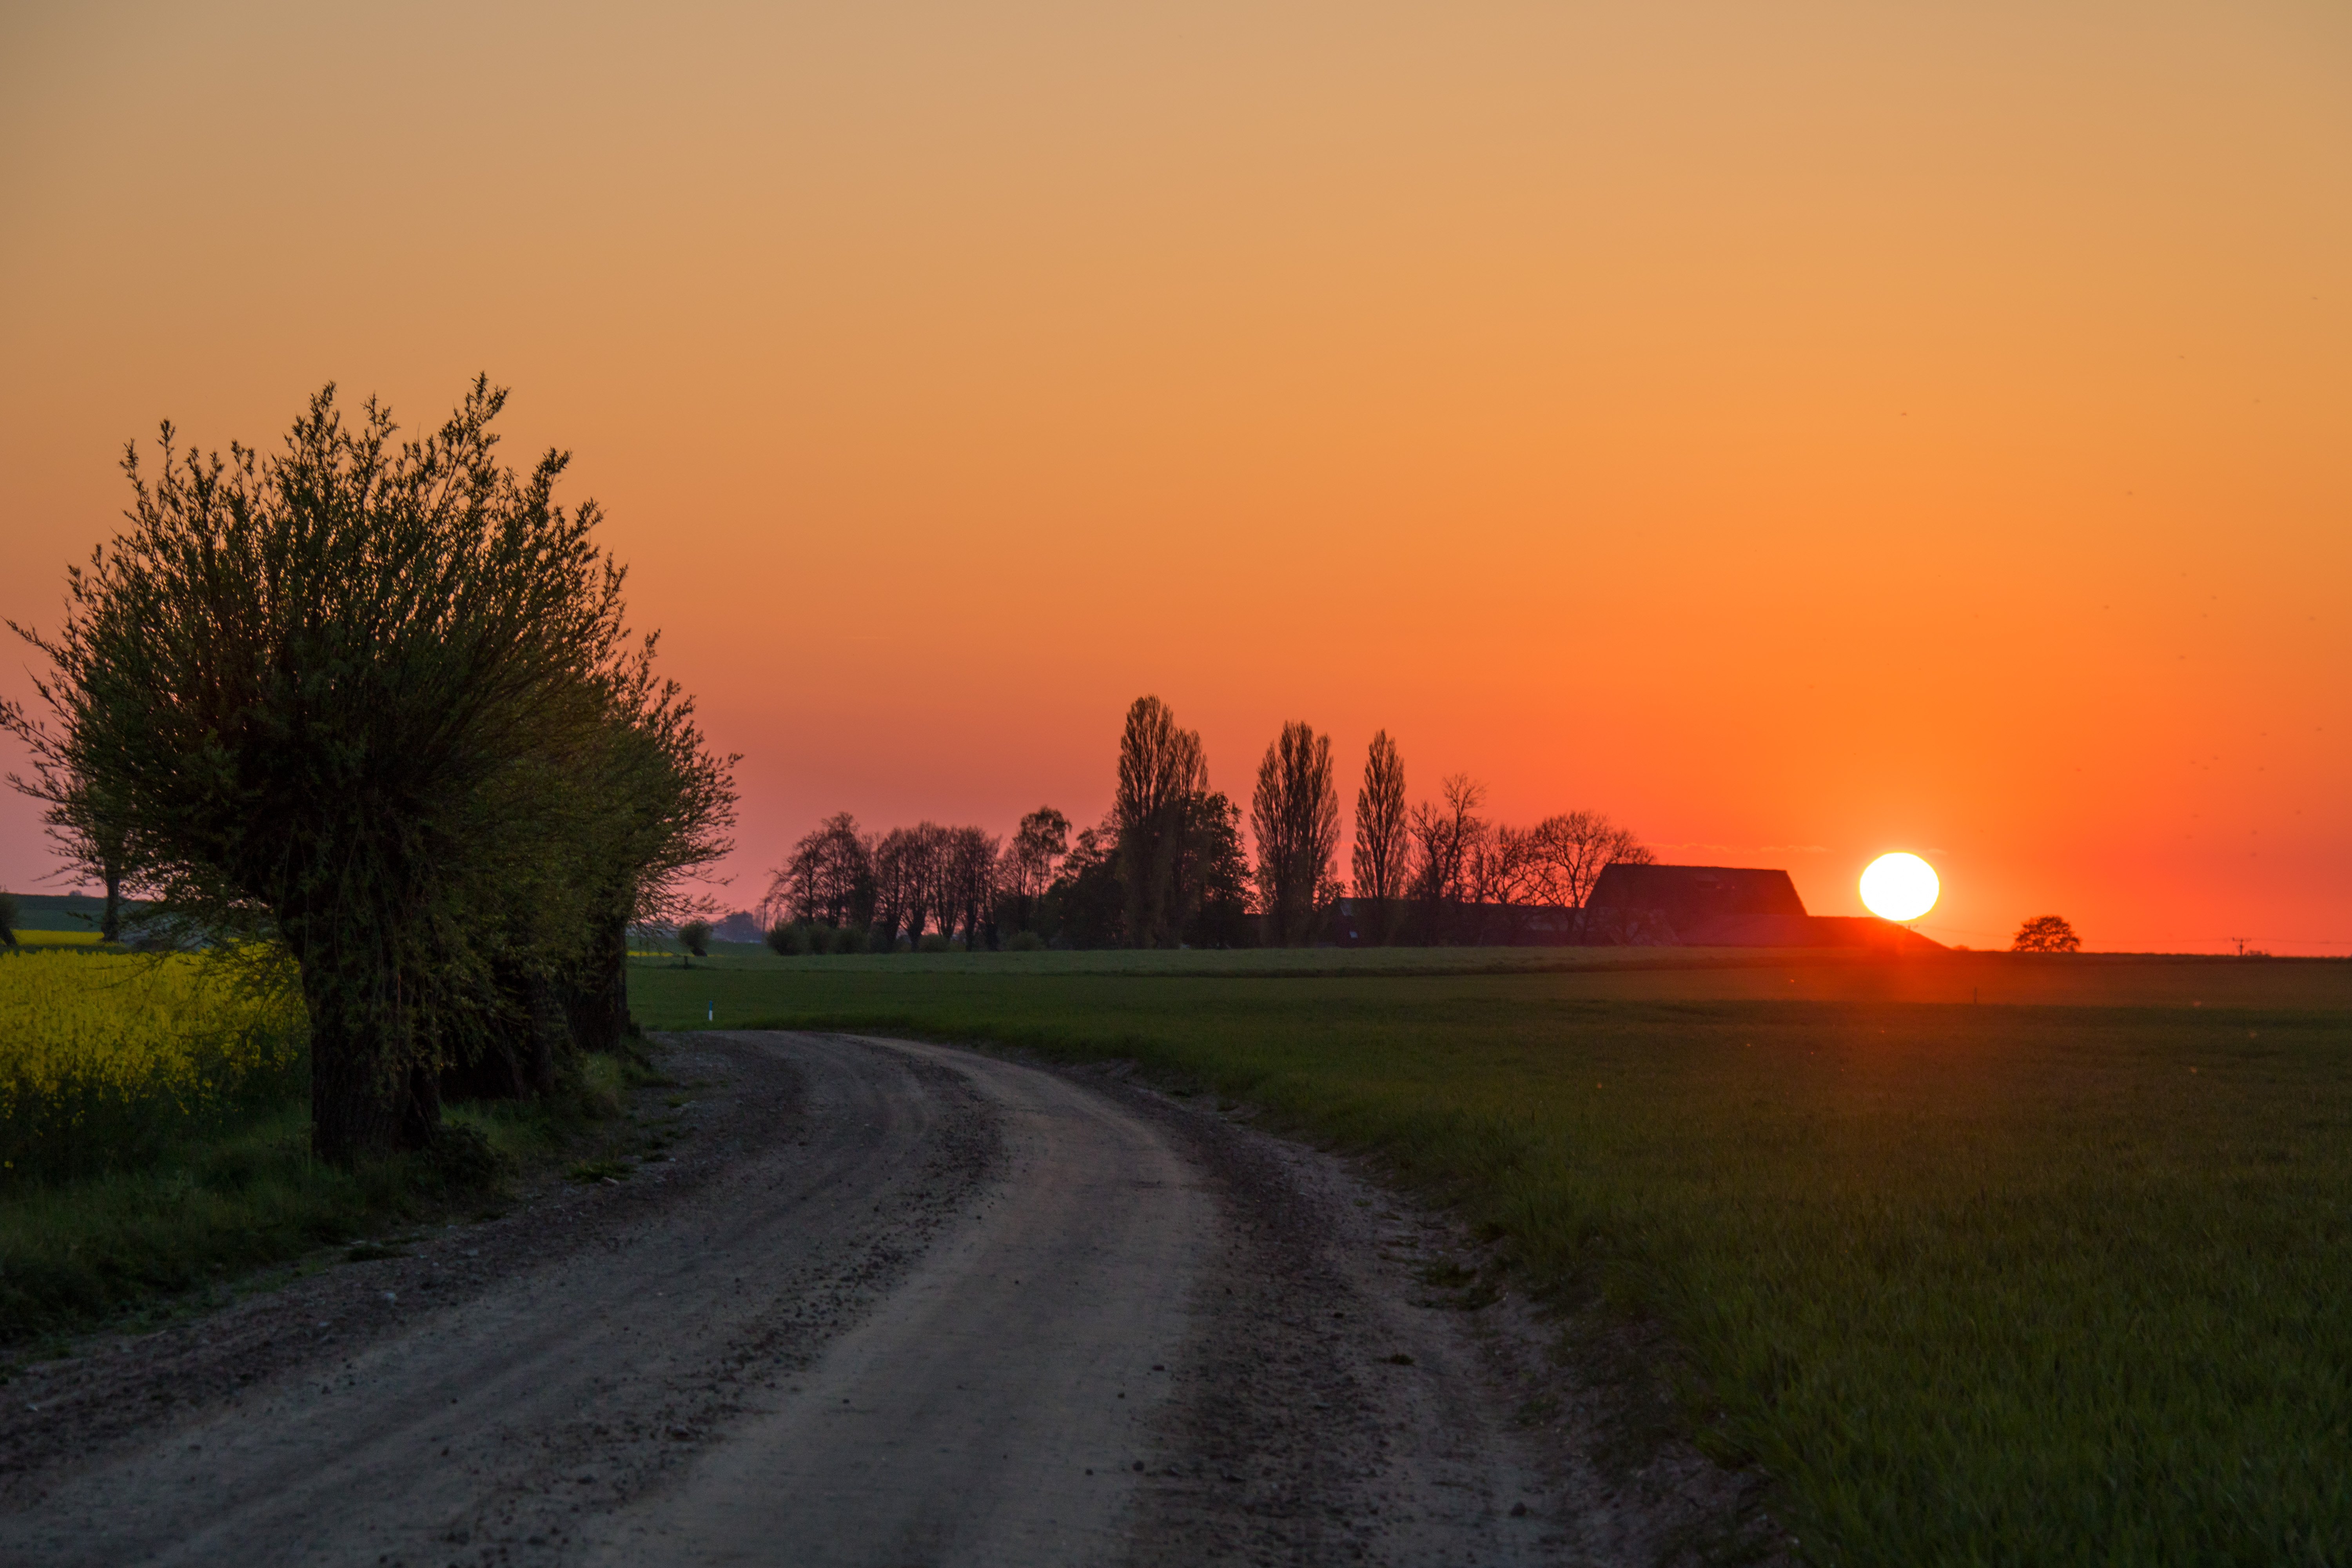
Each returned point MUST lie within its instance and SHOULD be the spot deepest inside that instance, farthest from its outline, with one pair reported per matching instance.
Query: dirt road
(895, 1304)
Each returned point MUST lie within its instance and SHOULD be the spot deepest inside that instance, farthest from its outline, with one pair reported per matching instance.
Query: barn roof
(1687, 895)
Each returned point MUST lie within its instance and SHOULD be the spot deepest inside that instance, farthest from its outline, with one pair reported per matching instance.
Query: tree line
(1168, 866)
(371, 705)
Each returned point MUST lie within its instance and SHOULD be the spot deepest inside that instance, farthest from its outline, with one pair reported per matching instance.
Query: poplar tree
(1383, 841)
(1295, 817)
(1160, 768)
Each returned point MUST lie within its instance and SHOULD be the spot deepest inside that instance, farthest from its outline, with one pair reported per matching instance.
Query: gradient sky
(1799, 431)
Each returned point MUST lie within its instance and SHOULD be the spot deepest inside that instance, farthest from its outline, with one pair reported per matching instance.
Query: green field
(2062, 1274)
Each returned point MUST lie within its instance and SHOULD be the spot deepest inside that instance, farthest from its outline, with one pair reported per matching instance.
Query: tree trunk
(551, 1036)
(598, 1007)
(363, 1083)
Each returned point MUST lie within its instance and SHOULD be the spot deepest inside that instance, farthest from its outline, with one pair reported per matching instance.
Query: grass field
(2061, 1275)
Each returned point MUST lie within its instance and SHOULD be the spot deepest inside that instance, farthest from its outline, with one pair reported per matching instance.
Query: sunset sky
(1800, 431)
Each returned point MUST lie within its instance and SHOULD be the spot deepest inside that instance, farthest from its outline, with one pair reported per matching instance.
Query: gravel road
(888, 1304)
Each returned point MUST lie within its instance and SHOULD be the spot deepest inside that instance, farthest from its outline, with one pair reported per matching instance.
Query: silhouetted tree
(2046, 933)
(1295, 816)
(1446, 836)
(9, 915)
(969, 883)
(827, 877)
(1087, 906)
(1160, 768)
(1499, 881)
(694, 939)
(1212, 875)
(1031, 859)
(1384, 854)
(93, 830)
(902, 879)
(1036, 852)
(1570, 850)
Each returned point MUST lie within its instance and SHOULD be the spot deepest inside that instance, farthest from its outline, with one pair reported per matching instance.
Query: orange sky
(1799, 430)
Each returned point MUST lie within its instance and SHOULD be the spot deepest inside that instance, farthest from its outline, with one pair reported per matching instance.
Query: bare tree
(1031, 860)
(1295, 817)
(1159, 767)
(901, 884)
(970, 858)
(1446, 837)
(929, 891)
(1572, 849)
(1500, 875)
(830, 872)
(1383, 840)
(1036, 852)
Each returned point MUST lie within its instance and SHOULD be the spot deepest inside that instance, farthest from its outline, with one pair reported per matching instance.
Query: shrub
(1024, 942)
(933, 943)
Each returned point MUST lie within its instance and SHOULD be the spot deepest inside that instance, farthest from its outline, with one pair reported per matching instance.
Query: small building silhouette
(1724, 906)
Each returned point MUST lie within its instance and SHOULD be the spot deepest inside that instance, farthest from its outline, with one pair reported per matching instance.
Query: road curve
(935, 1307)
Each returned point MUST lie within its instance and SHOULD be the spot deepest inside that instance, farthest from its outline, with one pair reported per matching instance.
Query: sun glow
(1899, 887)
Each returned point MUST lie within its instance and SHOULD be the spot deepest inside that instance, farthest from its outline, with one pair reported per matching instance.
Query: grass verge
(1975, 1283)
(131, 1245)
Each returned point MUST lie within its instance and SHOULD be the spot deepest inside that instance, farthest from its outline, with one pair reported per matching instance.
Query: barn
(1724, 906)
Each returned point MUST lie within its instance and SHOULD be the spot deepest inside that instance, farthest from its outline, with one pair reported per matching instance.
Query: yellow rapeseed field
(103, 1055)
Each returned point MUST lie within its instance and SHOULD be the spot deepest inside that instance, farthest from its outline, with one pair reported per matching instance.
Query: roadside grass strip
(2048, 1284)
(155, 1113)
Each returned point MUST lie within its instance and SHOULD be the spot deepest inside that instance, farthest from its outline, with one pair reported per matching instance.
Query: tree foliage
(374, 700)
(2046, 933)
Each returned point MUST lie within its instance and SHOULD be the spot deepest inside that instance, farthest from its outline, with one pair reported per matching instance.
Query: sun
(1899, 887)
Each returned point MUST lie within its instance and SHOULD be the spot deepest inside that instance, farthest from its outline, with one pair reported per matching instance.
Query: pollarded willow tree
(374, 700)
